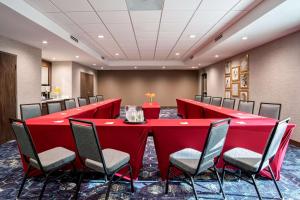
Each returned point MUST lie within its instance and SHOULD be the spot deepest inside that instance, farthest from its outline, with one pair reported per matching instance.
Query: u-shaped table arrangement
(170, 135)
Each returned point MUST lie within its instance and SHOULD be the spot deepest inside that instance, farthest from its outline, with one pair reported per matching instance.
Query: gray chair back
(53, 107)
(93, 99)
(228, 103)
(271, 110)
(206, 99)
(198, 98)
(30, 110)
(82, 101)
(100, 98)
(274, 140)
(87, 142)
(216, 101)
(214, 144)
(246, 106)
(70, 103)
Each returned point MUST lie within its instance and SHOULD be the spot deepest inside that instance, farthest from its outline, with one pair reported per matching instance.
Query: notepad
(58, 121)
(184, 123)
(109, 122)
(241, 122)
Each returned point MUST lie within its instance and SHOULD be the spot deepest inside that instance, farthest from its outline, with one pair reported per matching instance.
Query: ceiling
(144, 35)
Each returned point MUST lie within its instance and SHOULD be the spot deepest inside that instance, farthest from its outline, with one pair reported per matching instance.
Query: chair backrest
(228, 103)
(206, 99)
(82, 101)
(100, 98)
(53, 107)
(70, 103)
(30, 110)
(246, 106)
(87, 142)
(93, 99)
(214, 144)
(274, 141)
(271, 110)
(24, 140)
(216, 101)
(198, 98)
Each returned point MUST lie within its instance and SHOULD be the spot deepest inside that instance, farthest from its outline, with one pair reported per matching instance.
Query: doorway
(86, 85)
(204, 84)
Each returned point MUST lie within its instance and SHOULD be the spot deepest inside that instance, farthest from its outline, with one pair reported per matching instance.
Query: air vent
(74, 38)
(218, 37)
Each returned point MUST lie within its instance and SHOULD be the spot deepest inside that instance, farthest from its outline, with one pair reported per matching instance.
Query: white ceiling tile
(147, 16)
(95, 29)
(146, 44)
(172, 27)
(115, 17)
(43, 5)
(181, 4)
(175, 16)
(217, 4)
(59, 18)
(169, 35)
(146, 27)
(84, 17)
(71, 5)
(146, 35)
(107, 5)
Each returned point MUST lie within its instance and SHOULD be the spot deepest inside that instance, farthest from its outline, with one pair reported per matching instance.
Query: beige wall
(132, 85)
(274, 76)
(28, 70)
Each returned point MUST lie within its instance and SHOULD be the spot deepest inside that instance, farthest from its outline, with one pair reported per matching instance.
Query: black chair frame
(253, 175)
(109, 178)
(28, 104)
(100, 96)
(210, 99)
(44, 173)
(247, 102)
(73, 99)
(190, 176)
(47, 103)
(229, 99)
(277, 104)
(198, 95)
(87, 101)
(216, 98)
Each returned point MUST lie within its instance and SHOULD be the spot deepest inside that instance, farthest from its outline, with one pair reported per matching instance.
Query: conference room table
(151, 110)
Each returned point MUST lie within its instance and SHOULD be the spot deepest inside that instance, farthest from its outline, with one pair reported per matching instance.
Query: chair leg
(219, 181)
(223, 176)
(78, 184)
(273, 178)
(256, 188)
(23, 181)
(167, 181)
(44, 186)
(193, 186)
(131, 178)
(108, 188)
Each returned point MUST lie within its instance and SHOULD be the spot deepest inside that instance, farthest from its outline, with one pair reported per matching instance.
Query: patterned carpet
(149, 185)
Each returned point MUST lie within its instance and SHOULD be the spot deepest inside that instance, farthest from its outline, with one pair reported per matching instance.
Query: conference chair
(206, 99)
(94, 158)
(47, 162)
(82, 101)
(93, 99)
(228, 103)
(216, 101)
(70, 103)
(198, 98)
(100, 98)
(193, 162)
(271, 110)
(246, 106)
(252, 163)
(53, 107)
(30, 110)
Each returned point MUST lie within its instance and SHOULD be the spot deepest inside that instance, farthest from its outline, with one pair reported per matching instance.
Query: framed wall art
(235, 89)
(235, 73)
(227, 82)
(227, 68)
(227, 94)
(245, 63)
(244, 80)
(244, 95)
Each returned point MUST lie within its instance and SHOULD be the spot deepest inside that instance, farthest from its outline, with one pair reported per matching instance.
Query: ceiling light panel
(71, 5)
(144, 5)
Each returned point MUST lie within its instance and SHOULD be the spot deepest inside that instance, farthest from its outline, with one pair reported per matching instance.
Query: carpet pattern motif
(149, 185)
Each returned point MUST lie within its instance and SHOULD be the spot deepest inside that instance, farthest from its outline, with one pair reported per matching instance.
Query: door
(8, 102)
(204, 84)
(86, 85)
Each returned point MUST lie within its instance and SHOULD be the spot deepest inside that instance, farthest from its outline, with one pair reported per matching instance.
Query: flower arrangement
(150, 95)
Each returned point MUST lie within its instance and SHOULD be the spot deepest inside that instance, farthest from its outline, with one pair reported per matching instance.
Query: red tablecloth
(151, 110)
(173, 135)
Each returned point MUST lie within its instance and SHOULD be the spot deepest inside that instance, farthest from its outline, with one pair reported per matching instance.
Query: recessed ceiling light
(53, 58)
(164, 67)
(101, 67)
(100, 36)
(76, 56)
(245, 38)
(192, 36)
(116, 54)
(135, 67)
(199, 64)
(45, 42)
(177, 54)
(194, 67)
(94, 64)
(217, 56)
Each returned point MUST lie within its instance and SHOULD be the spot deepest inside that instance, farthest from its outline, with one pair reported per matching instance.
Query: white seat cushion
(53, 158)
(114, 159)
(245, 159)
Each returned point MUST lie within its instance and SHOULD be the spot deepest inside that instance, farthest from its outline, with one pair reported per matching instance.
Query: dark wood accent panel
(86, 84)
(293, 142)
(8, 100)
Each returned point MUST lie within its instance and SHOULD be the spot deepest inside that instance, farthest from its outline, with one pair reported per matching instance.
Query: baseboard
(293, 142)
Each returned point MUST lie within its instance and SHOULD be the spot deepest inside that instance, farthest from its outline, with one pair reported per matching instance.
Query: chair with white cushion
(228, 103)
(53, 107)
(246, 106)
(193, 162)
(271, 110)
(47, 162)
(30, 110)
(216, 101)
(70, 103)
(92, 157)
(82, 101)
(251, 162)
(198, 98)
(93, 99)
(206, 99)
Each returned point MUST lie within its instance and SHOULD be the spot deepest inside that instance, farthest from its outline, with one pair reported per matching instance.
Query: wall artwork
(235, 73)
(244, 80)
(227, 94)
(235, 89)
(227, 82)
(245, 63)
(227, 68)
(244, 95)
